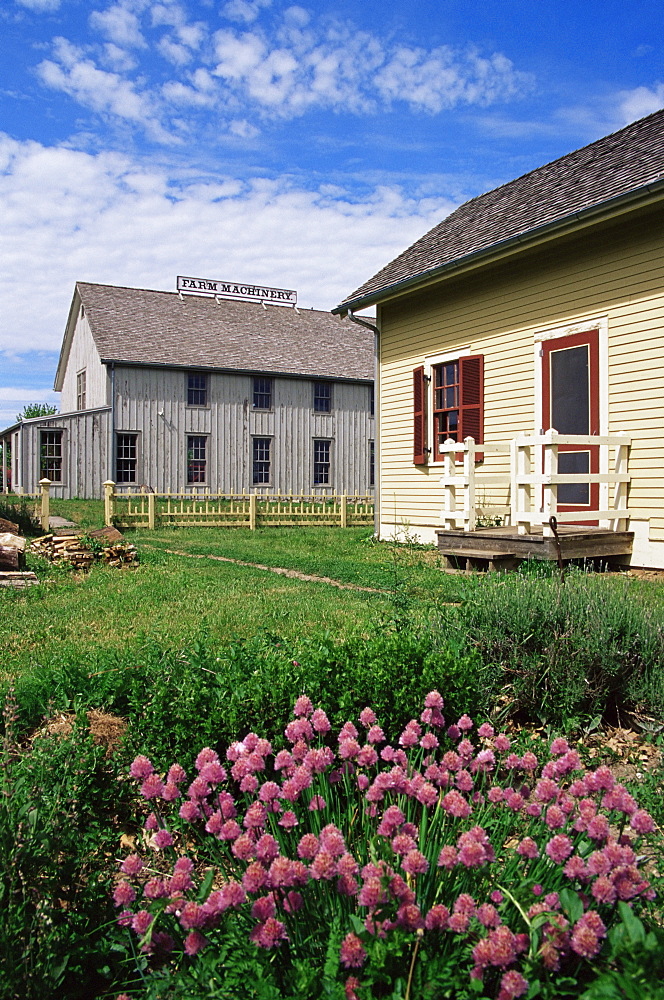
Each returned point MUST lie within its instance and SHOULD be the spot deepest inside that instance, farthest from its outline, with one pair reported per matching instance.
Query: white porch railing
(531, 486)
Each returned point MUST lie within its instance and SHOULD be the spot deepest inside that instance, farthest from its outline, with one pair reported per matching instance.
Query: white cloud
(243, 129)
(178, 54)
(72, 216)
(40, 5)
(440, 79)
(284, 68)
(638, 103)
(172, 14)
(244, 10)
(120, 25)
(341, 68)
(118, 59)
(181, 94)
(98, 89)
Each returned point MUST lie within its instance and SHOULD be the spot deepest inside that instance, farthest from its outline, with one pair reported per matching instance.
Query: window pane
(197, 390)
(262, 394)
(261, 461)
(322, 397)
(196, 458)
(126, 458)
(50, 460)
(574, 462)
(321, 463)
(570, 391)
(445, 405)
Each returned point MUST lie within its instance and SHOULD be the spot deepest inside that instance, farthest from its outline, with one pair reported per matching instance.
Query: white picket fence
(531, 486)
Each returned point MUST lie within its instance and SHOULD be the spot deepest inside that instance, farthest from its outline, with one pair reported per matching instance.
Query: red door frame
(591, 339)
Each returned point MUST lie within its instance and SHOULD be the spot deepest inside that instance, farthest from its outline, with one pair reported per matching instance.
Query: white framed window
(51, 454)
(126, 458)
(261, 464)
(81, 393)
(197, 459)
(322, 462)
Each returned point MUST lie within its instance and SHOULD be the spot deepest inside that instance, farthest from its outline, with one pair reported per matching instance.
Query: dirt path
(279, 570)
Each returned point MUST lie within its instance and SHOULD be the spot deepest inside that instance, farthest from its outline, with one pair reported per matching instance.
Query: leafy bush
(567, 652)
(57, 799)
(441, 868)
(246, 685)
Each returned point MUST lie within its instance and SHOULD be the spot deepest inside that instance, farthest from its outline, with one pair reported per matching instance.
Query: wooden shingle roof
(142, 326)
(617, 166)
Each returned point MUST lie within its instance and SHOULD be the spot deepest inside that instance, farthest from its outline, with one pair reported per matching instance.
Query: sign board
(234, 290)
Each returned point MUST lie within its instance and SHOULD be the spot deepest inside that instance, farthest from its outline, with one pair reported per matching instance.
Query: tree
(36, 410)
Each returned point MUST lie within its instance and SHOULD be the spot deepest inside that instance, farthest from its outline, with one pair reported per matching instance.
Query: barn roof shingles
(616, 165)
(143, 326)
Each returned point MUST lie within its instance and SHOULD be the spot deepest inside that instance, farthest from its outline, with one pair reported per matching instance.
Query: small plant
(21, 511)
(437, 866)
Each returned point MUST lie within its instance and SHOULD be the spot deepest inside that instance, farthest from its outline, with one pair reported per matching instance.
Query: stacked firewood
(63, 548)
(105, 545)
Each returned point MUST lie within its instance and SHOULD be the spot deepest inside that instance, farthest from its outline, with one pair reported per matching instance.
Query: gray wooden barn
(185, 392)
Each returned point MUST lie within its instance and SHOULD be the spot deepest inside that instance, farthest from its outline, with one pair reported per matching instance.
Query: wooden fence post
(45, 502)
(151, 511)
(344, 511)
(252, 511)
(109, 486)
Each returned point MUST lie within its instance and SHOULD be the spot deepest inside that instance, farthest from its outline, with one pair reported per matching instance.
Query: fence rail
(533, 480)
(135, 509)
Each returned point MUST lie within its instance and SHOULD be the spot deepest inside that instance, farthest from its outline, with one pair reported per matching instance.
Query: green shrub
(58, 799)
(567, 652)
(248, 685)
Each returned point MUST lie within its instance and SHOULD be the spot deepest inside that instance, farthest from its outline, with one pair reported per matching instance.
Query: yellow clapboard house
(521, 362)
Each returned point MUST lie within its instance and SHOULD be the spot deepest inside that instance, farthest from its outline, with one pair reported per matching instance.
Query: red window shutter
(419, 417)
(471, 401)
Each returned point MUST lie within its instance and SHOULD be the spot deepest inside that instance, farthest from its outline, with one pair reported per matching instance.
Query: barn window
(126, 458)
(322, 397)
(50, 455)
(261, 461)
(372, 464)
(262, 394)
(322, 463)
(197, 389)
(196, 459)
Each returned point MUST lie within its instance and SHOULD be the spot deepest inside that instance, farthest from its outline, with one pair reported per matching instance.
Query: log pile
(82, 550)
(12, 549)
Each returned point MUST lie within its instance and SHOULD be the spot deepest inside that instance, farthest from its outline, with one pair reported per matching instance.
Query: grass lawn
(168, 600)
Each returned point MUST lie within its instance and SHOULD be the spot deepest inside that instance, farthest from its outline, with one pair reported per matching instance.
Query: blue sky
(299, 145)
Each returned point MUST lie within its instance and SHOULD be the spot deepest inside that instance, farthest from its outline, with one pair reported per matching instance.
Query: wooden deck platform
(504, 548)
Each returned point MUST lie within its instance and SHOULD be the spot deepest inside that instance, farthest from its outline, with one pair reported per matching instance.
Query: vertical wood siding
(84, 355)
(153, 403)
(616, 272)
(85, 455)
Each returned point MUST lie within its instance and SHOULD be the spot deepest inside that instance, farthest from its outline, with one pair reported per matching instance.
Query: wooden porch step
(496, 559)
